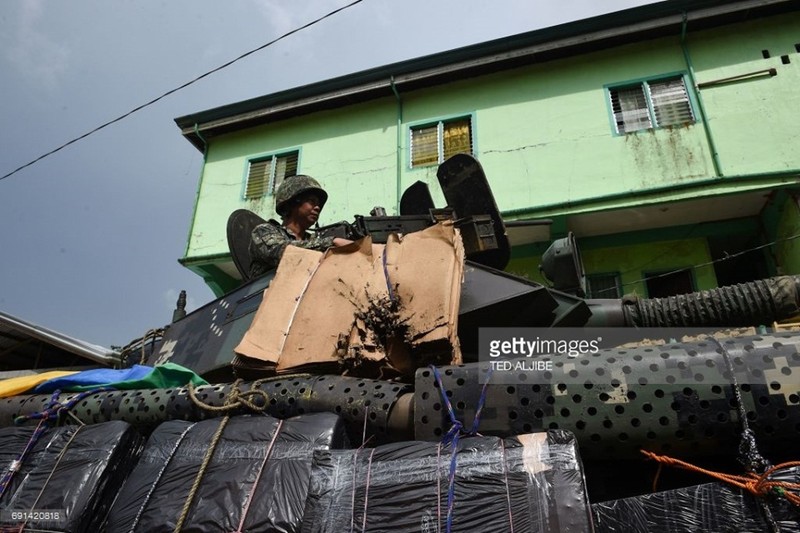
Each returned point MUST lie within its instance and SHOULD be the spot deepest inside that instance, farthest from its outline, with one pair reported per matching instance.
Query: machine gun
(477, 231)
(471, 207)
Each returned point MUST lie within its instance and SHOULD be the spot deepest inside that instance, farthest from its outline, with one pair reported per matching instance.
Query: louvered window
(651, 104)
(433, 143)
(266, 174)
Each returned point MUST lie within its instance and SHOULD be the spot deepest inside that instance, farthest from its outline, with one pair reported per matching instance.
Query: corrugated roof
(25, 345)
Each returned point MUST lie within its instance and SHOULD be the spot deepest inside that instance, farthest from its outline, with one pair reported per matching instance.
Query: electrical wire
(270, 43)
(180, 87)
(700, 265)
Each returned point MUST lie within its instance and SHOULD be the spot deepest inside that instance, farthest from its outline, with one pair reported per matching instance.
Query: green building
(665, 137)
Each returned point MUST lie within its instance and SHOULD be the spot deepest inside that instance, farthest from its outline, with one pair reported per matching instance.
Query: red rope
(258, 477)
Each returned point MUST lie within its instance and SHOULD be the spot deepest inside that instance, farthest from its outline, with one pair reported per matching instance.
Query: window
(603, 286)
(664, 284)
(431, 144)
(265, 174)
(650, 104)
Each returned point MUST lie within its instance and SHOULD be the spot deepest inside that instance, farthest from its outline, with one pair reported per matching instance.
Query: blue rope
(454, 433)
(481, 401)
(16, 464)
(52, 411)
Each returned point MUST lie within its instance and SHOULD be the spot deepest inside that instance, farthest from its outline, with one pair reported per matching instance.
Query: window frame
(440, 124)
(690, 271)
(617, 281)
(273, 156)
(642, 83)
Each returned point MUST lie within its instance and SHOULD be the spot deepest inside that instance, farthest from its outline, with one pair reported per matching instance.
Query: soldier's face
(307, 211)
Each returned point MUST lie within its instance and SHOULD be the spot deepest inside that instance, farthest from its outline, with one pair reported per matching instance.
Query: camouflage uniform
(270, 239)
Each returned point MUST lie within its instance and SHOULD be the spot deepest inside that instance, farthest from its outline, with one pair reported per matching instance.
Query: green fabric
(163, 376)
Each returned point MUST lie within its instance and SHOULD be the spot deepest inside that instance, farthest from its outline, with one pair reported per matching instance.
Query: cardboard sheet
(364, 313)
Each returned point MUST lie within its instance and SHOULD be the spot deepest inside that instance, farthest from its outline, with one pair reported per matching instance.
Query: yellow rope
(140, 344)
(235, 399)
(52, 471)
(199, 477)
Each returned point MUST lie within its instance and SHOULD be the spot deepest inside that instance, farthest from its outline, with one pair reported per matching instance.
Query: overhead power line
(176, 89)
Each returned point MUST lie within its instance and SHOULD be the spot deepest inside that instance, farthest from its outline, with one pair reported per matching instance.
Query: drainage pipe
(701, 108)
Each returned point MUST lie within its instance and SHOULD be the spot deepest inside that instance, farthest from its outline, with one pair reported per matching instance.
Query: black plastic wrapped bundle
(529, 483)
(68, 480)
(256, 480)
(713, 507)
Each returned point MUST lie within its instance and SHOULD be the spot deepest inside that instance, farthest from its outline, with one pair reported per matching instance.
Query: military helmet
(294, 186)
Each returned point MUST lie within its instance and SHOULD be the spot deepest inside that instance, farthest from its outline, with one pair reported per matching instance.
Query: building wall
(633, 262)
(544, 136)
(787, 238)
(355, 178)
(753, 122)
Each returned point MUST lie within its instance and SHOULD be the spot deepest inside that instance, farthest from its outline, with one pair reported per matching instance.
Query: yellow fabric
(14, 386)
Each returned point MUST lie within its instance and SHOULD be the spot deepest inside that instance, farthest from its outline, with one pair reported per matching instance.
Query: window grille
(651, 104)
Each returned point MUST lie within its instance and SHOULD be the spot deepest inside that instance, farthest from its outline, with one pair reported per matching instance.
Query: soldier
(299, 201)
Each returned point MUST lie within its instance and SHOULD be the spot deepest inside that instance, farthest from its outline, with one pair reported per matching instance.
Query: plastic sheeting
(529, 483)
(70, 476)
(256, 480)
(713, 507)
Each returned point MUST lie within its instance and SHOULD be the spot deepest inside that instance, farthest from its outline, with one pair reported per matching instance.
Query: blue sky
(91, 235)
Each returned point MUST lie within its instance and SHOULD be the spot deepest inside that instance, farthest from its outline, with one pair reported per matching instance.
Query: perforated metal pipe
(364, 404)
(671, 399)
